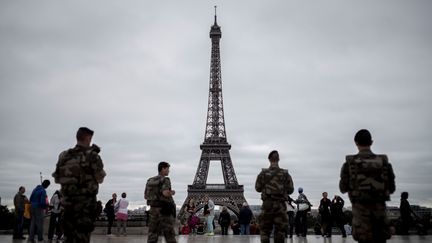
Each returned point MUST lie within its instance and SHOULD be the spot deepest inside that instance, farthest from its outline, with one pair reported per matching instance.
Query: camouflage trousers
(273, 214)
(370, 222)
(160, 224)
(79, 216)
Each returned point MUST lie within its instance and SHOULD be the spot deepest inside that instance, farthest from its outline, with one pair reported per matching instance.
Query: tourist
(245, 217)
(224, 220)
(406, 213)
(290, 213)
(38, 200)
(303, 207)
(338, 216)
(19, 201)
(110, 213)
(210, 216)
(324, 211)
(55, 218)
(122, 213)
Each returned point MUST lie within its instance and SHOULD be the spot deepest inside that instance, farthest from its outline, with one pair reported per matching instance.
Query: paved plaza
(234, 239)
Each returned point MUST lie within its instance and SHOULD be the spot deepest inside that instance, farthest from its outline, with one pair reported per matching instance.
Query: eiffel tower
(215, 146)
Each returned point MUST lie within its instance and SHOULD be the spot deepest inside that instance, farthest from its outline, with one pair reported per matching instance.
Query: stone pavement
(233, 239)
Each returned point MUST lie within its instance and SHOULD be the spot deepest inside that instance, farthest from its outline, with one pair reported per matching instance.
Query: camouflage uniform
(79, 171)
(369, 180)
(275, 184)
(162, 215)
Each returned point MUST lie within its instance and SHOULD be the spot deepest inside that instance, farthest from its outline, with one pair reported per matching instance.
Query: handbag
(303, 206)
(289, 207)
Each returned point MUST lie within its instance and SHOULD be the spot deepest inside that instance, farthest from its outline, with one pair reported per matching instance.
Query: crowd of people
(368, 179)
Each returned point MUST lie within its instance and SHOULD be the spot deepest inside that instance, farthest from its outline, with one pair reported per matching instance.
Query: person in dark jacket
(39, 202)
(324, 211)
(19, 200)
(337, 213)
(224, 220)
(110, 213)
(406, 213)
(245, 217)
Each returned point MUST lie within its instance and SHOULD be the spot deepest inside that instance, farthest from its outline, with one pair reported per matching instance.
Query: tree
(6, 218)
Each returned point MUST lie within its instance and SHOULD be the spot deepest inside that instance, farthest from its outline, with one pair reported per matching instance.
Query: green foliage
(6, 218)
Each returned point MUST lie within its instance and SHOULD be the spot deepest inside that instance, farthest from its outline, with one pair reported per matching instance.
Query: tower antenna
(215, 13)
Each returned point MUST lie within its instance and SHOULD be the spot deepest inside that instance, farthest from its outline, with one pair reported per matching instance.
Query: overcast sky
(300, 77)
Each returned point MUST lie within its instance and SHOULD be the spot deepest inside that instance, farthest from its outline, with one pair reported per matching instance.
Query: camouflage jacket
(274, 183)
(155, 186)
(79, 170)
(166, 185)
(367, 177)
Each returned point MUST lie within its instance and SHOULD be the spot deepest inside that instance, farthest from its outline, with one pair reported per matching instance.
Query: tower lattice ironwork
(215, 146)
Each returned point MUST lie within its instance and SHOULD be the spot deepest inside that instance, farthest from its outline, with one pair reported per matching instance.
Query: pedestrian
(109, 211)
(324, 211)
(210, 215)
(406, 213)
(235, 227)
(27, 215)
(338, 216)
(55, 218)
(191, 219)
(79, 171)
(369, 180)
(159, 196)
(38, 200)
(19, 203)
(275, 185)
(98, 209)
(122, 213)
(290, 213)
(303, 207)
(224, 220)
(245, 217)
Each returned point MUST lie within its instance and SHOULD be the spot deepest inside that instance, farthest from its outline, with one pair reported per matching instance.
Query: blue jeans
(37, 216)
(245, 229)
(210, 223)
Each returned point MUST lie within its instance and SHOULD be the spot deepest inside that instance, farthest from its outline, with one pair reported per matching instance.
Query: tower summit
(215, 127)
(215, 147)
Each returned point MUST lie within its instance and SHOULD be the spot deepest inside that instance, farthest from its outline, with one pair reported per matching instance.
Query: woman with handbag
(303, 207)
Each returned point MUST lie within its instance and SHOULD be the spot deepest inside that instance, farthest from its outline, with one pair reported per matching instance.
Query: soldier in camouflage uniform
(79, 171)
(369, 180)
(162, 206)
(275, 184)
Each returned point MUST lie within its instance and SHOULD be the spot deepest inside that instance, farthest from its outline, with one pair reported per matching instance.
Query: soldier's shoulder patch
(349, 157)
(383, 157)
